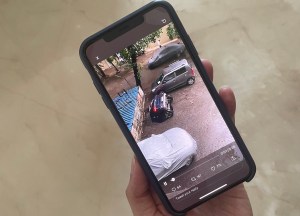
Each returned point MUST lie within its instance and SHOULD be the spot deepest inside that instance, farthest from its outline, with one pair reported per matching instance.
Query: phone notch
(123, 28)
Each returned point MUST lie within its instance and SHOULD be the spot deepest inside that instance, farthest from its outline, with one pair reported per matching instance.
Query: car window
(180, 71)
(159, 79)
(169, 77)
(164, 51)
(155, 54)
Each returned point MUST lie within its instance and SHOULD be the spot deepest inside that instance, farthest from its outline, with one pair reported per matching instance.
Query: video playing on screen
(169, 111)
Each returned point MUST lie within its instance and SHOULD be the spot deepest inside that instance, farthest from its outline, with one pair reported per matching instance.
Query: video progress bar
(213, 191)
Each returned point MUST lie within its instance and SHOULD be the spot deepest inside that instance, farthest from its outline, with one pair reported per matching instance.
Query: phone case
(110, 105)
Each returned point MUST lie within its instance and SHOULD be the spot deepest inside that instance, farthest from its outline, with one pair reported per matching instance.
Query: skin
(145, 202)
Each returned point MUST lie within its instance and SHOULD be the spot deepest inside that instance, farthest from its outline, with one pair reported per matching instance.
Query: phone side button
(105, 102)
(97, 88)
(191, 42)
(101, 95)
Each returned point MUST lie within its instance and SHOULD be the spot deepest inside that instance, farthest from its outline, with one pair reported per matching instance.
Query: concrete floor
(195, 112)
(61, 152)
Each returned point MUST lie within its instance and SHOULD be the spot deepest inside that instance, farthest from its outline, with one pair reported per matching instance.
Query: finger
(138, 182)
(138, 191)
(228, 98)
(209, 68)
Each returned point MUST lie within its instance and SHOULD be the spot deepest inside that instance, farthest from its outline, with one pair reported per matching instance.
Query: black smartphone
(150, 77)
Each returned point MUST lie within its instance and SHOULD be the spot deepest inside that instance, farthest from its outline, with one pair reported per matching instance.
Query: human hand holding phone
(144, 201)
(149, 75)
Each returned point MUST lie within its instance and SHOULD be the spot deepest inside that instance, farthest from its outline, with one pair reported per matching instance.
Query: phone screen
(154, 84)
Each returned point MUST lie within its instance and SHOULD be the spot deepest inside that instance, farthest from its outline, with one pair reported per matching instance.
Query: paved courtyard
(194, 111)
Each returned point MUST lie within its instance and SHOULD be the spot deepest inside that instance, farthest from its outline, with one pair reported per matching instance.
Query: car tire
(169, 114)
(170, 99)
(189, 161)
(160, 91)
(190, 81)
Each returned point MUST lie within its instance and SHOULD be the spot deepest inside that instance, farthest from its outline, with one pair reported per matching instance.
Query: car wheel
(170, 98)
(169, 114)
(160, 92)
(191, 81)
(189, 161)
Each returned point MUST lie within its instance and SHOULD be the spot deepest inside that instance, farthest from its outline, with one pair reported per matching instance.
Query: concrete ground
(61, 152)
(194, 111)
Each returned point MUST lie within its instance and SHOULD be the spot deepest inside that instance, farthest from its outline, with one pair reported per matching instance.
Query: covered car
(165, 54)
(169, 151)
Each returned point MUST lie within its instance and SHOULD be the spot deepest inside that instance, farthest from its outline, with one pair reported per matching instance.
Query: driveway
(194, 111)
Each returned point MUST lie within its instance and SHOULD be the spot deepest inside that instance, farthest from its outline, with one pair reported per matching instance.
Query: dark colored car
(177, 74)
(160, 108)
(164, 54)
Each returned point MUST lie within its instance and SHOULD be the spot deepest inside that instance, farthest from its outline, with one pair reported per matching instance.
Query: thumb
(138, 192)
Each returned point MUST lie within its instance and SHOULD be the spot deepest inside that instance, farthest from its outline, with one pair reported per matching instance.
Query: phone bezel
(110, 105)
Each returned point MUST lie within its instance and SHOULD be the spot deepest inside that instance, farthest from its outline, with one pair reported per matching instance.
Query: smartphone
(150, 77)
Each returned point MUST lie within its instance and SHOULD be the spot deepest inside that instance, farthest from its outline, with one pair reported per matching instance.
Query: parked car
(177, 74)
(160, 108)
(169, 151)
(165, 54)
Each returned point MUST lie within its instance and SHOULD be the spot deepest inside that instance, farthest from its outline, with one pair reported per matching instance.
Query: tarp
(169, 151)
(126, 103)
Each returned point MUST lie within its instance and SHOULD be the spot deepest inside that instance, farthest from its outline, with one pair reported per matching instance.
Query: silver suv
(177, 74)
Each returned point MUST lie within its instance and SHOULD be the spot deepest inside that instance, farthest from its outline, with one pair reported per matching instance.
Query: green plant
(172, 32)
(131, 53)
(111, 60)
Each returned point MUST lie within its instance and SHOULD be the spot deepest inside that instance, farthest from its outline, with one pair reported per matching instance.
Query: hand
(145, 202)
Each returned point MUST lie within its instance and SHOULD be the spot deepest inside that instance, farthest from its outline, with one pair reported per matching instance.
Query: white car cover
(169, 151)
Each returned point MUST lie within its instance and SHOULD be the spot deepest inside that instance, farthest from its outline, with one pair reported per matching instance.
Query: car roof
(174, 66)
(159, 50)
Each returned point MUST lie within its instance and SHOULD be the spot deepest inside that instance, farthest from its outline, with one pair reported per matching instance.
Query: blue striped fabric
(126, 104)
